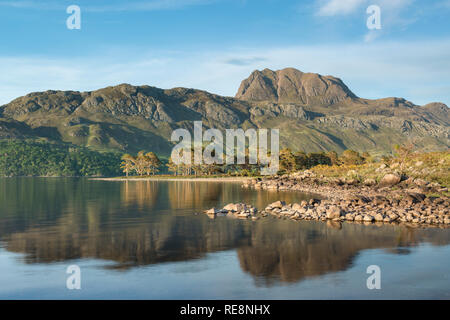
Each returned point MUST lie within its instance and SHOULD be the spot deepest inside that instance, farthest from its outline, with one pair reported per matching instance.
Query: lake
(150, 240)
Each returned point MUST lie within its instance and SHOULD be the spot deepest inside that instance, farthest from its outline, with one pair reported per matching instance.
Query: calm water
(144, 240)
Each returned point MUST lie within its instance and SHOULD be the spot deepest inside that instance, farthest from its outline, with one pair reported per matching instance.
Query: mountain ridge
(313, 113)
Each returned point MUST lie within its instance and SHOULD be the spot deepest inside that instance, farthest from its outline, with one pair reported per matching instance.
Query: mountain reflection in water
(140, 223)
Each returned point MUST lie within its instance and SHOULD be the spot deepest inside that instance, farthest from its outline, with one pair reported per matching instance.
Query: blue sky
(214, 44)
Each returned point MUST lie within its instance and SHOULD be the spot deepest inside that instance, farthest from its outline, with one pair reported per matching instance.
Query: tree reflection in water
(139, 223)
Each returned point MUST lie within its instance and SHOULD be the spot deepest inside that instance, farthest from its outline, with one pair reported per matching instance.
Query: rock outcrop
(291, 85)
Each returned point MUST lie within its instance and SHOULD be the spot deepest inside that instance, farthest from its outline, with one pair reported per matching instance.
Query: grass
(431, 167)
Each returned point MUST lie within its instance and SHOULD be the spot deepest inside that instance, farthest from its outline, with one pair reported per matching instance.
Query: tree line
(43, 158)
(289, 161)
(142, 164)
(295, 161)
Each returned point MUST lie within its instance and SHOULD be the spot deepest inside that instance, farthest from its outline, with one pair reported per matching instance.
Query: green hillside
(313, 113)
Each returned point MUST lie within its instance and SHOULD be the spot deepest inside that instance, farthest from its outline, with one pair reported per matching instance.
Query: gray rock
(389, 180)
(420, 182)
(334, 212)
(277, 205)
(212, 211)
(349, 217)
(369, 182)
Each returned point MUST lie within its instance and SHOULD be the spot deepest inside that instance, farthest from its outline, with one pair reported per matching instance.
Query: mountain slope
(313, 113)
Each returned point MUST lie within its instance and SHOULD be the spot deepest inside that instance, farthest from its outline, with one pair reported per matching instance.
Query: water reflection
(148, 222)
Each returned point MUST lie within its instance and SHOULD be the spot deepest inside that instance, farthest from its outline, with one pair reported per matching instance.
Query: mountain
(293, 86)
(313, 113)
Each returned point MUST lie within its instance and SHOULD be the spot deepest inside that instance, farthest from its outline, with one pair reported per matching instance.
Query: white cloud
(147, 5)
(339, 7)
(25, 4)
(113, 5)
(392, 13)
(417, 71)
(345, 7)
(392, 16)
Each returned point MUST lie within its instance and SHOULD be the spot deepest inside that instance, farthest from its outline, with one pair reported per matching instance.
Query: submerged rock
(238, 210)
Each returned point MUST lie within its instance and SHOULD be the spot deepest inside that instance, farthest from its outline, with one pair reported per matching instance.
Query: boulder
(379, 200)
(242, 207)
(314, 201)
(351, 182)
(212, 211)
(414, 197)
(231, 207)
(277, 205)
(393, 216)
(369, 182)
(252, 210)
(334, 212)
(390, 180)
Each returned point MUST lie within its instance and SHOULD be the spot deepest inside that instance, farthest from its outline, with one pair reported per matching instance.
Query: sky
(214, 44)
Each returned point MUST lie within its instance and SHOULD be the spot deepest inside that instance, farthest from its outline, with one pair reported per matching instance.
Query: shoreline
(391, 201)
(200, 179)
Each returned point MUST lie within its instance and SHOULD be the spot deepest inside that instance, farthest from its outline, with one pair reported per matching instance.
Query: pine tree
(128, 163)
(152, 163)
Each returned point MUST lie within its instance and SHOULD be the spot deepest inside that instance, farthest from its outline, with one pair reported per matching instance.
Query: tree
(287, 160)
(127, 164)
(367, 157)
(351, 157)
(172, 167)
(333, 157)
(403, 152)
(152, 163)
(301, 160)
(140, 163)
(42, 158)
(315, 159)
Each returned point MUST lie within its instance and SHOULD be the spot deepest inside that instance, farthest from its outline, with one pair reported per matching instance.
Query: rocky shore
(392, 186)
(392, 200)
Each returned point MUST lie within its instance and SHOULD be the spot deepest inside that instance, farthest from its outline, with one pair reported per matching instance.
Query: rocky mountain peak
(293, 86)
